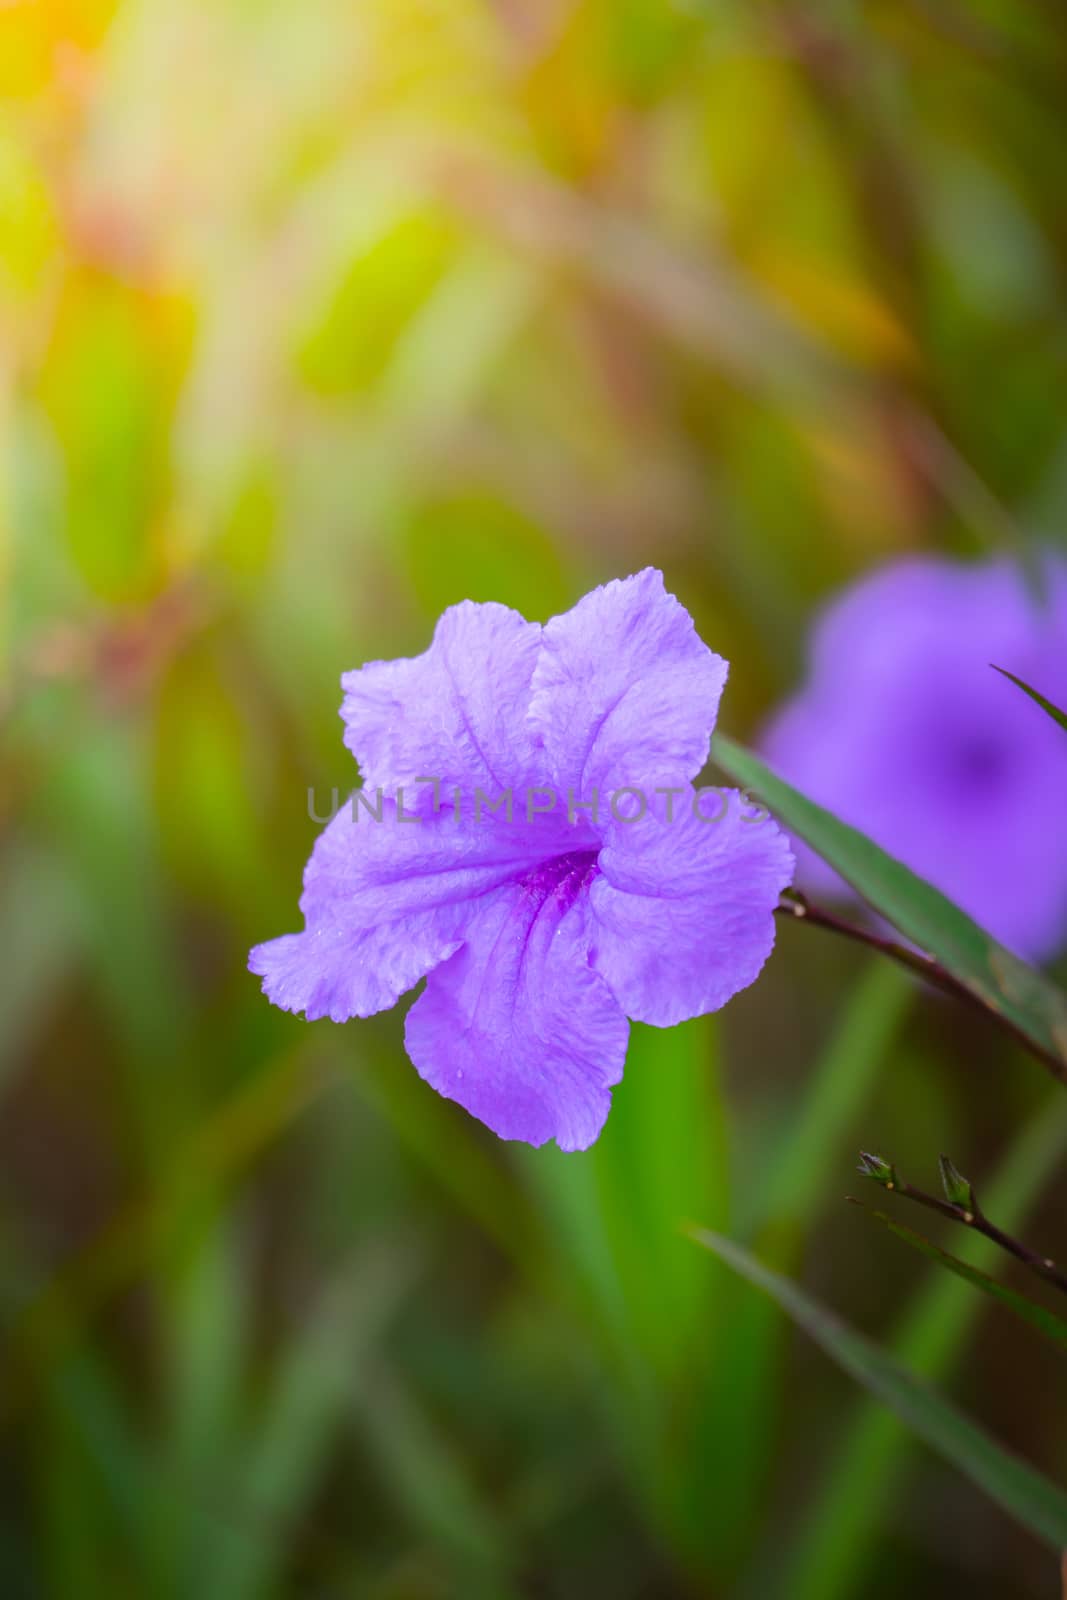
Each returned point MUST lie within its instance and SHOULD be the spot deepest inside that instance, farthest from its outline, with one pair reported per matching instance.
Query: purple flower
(904, 730)
(540, 935)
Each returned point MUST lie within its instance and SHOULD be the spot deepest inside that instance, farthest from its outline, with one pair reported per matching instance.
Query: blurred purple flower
(904, 730)
(538, 938)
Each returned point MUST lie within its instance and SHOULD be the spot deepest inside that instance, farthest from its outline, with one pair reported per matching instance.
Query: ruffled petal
(456, 713)
(625, 692)
(516, 1027)
(683, 910)
(385, 902)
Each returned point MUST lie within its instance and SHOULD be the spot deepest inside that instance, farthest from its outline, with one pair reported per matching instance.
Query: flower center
(981, 760)
(563, 878)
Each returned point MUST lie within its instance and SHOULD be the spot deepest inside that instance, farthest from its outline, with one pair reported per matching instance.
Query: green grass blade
(1039, 1317)
(830, 1103)
(616, 1214)
(615, 1211)
(108, 1441)
(840, 1530)
(1032, 1499)
(1046, 705)
(1018, 994)
(431, 1485)
(38, 935)
(250, 1510)
(746, 1384)
(663, 1158)
(207, 1354)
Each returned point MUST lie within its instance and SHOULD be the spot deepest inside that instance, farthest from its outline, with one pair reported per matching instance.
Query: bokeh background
(316, 317)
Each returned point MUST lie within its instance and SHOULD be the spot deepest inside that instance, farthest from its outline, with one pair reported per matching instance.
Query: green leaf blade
(1034, 1501)
(1018, 994)
(1039, 699)
(838, 1538)
(1037, 1316)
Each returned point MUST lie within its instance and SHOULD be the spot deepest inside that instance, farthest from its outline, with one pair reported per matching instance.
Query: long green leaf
(1032, 1499)
(615, 1215)
(839, 1533)
(1045, 1321)
(1046, 705)
(1018, 994)
(306, 1403)
(745, 1382)
(828, 1104)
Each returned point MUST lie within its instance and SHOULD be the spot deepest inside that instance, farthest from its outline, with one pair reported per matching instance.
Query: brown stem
(797, 906)
(974, 1219)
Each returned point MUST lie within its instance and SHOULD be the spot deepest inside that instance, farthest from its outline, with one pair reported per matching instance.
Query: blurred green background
(316, 317)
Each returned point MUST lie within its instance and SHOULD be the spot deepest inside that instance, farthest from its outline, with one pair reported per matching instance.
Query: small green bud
(880, 1171)
(958, 1190)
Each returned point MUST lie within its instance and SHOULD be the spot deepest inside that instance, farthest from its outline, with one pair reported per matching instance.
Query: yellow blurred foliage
(36, 35)
(826, 300)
